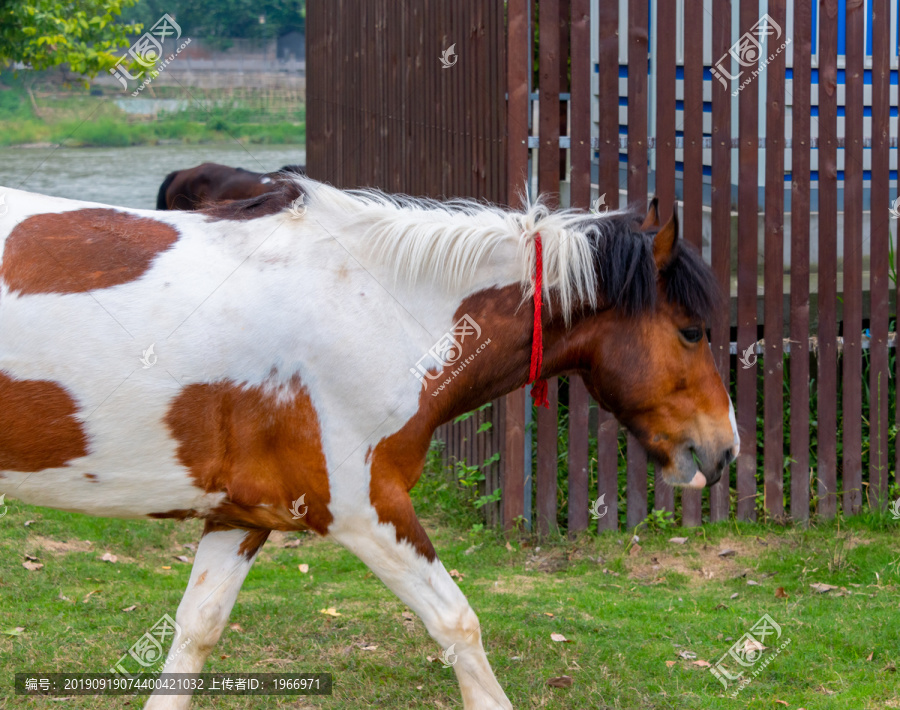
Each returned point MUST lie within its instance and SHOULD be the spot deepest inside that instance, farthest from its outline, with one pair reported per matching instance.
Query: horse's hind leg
(223, 559)
(411, 570)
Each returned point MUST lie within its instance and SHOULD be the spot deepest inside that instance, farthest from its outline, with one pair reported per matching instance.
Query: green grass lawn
(638, 618)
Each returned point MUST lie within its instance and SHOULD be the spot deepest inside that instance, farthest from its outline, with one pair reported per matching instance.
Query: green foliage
(226, 19)
(82, 34)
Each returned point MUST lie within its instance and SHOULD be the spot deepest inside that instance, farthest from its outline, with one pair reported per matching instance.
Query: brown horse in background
(198, 187)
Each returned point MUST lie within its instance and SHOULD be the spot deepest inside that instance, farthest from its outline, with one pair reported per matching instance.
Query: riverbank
(79, 118)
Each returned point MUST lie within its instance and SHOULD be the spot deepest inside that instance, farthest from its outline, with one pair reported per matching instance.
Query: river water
(129, 177)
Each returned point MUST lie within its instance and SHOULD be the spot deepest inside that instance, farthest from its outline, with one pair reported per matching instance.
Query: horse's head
(651, 364)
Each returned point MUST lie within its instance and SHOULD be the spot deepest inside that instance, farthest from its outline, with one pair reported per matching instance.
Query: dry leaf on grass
(547, 613)
(29, 522)
(727, 553)
(701, 664)
(687, 655)
(752, 582)
(130, 608)
(192, 546)
(182, 558)
(367, 646)
(14, 632)
(303, 568)
(89, 595)
(330, 611)
(563, 681)
(781, 702)
(870, 656)
(295, 542)
(109, 557)
(559, 638)
(822, 588)
(780, 593)
(167, 566)
(456, 574)
(735, 595)
(31, 557)
(670, 663)
(678, 540)
(635, 550)
(236, 627)
(32, 566)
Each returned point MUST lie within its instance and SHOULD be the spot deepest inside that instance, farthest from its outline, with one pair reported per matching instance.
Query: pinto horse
(198, 187)
(293, 383)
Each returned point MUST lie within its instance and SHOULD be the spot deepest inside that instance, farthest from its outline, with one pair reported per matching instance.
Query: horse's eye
(692, 335)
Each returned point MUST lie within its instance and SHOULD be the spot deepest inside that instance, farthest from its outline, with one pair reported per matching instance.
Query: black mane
(627, 274)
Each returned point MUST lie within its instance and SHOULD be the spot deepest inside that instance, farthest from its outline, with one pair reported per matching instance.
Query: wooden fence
(383, 111)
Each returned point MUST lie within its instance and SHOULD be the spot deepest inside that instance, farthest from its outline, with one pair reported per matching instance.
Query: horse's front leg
(410, 568)
(223, 559)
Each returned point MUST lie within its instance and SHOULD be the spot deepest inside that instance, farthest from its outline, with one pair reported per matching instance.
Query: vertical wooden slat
(800, 203)
(608, 153)
(547, 461)
(548, 154)
(879, 281)
(748, 175)
(691, 500)
(579, 403)
(826, 415)
(636, 492)
(853, 189)
(580, 135)
(663, 493)
(548, 187)
(721, 227)
(518, 56)
(773, 317)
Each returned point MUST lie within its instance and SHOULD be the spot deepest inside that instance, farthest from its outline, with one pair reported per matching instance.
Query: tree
(47, 33)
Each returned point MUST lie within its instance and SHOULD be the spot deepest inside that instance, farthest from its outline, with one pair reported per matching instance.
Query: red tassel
(538, 386)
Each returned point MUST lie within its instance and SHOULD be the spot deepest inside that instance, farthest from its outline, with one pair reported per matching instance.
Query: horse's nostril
(727, 458)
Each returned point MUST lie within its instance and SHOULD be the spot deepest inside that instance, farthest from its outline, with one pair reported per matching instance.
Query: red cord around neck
(538, 386)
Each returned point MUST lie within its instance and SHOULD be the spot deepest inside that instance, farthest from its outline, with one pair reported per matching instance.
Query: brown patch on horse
(81, 250)
(38, 428)
(202, 578)
(274, 200)
(177, 514)
(397, 460)
(262, 450)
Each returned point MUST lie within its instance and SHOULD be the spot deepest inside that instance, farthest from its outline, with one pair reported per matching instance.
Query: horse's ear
(665, 242)
(652, 218)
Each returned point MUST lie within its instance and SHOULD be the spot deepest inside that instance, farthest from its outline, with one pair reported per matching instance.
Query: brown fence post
(719, 503)
(879, 280)
(773, 357)
(608, 150)
(638, 20)
(852, 269)
(800, 178)
(826, 451)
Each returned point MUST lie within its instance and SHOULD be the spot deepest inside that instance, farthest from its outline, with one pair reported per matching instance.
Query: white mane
(447, 242)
